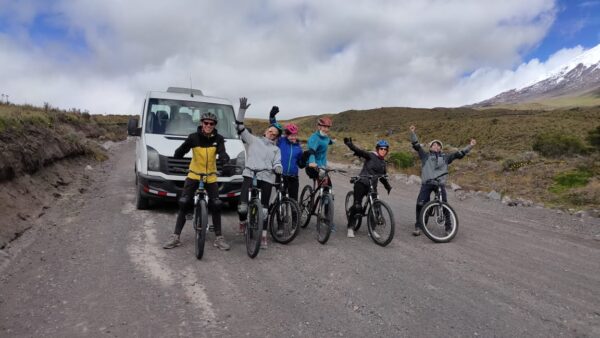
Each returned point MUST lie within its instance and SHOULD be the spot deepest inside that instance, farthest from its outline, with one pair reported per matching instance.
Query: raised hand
(412, 128)
(244, 103)
(274, 111)
(347, 140)
(473, 142)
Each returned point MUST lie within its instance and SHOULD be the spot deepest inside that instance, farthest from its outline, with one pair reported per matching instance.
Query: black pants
(425, 196)
(265, 188)
(292, 183)
(360, 191)
(186, 204)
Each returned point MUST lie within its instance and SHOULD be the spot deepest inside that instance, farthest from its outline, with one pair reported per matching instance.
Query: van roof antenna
(191, 88)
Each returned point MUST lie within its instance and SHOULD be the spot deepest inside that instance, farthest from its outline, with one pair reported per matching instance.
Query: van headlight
(240, 163)
(153, 159)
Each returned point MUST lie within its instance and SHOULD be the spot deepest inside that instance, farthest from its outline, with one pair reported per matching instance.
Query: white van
(166, 120)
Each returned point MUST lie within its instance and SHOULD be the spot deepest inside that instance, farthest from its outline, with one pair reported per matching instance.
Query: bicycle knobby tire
(200, 226)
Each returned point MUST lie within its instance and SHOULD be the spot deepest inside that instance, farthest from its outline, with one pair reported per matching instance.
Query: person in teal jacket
(291, 154)
(318, 143)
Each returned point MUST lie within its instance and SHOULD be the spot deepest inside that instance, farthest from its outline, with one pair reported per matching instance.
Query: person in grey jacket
(261, 153)
(434, 164)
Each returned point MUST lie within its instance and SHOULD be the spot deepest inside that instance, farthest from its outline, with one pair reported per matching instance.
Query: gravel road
(94, 266)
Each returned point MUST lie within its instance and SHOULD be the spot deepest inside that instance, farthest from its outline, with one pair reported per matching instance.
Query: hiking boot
(221, 243)
(263, 242)
(189, 216)
(350, 233)
(242, 228)
(448, 228)
(172, 242)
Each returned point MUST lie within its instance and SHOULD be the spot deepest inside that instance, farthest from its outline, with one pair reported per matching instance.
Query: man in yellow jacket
(205, 144)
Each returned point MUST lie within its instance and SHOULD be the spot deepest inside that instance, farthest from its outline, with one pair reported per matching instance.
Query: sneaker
(350, 233)
(375, 234)
(172, 242)
(242, 228)
(263, 242)
(417, 231)
(189, 216)
(221, 243)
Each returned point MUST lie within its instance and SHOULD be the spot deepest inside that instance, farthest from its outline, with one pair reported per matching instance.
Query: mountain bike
(200, 216)
(380, 219)
(437, 218)
(318, 200)
(284, 216)
(255, 215)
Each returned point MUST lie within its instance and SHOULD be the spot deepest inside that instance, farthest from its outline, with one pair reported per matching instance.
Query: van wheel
(141, 202)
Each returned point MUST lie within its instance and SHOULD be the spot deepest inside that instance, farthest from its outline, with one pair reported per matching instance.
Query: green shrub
(402, 159)
(594, 138)
(571, 179)
(556, 144)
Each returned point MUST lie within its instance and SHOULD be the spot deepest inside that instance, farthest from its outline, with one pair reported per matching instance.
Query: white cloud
(307, 57)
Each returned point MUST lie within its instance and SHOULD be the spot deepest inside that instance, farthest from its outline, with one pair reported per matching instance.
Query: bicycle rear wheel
(348, 204)
(284, 221)
(200, 225)
(439, 221)
(306, 205)
(254, 227)
(380, 222)
(325, 218)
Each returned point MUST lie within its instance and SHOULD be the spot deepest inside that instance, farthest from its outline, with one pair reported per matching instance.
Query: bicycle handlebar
(193, 172)
(328, 170)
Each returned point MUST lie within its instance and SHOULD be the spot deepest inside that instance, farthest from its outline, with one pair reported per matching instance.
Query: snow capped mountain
(579, 76)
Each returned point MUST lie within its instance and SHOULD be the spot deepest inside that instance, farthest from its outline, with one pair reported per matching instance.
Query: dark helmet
(209, 116)
(382, 144)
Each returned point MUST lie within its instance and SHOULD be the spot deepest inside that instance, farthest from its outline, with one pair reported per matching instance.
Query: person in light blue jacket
(318, 143)
(291, 154)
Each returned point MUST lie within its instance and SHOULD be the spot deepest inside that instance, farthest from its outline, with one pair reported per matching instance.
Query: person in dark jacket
(291, 154)
(205, 144)
(374, 165)
(434, 163)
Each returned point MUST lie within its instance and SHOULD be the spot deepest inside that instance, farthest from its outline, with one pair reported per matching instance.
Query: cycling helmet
(436, 141)
(382, 144)
(208, 116)
(325, 121)
(291, 128)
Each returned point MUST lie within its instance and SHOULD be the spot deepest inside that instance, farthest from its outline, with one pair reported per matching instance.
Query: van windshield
(176, 117)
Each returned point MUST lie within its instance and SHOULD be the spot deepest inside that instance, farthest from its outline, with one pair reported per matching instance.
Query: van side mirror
(132, 127)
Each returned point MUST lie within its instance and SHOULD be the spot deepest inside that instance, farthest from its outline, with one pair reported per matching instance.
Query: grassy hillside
(33, 137)
(503, 159)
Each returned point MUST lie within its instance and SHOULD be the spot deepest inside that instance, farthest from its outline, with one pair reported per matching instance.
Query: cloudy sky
(308, 57)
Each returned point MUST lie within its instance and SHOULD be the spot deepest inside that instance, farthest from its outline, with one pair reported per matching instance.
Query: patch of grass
(571, 179)
(402, 159)
(558, 144)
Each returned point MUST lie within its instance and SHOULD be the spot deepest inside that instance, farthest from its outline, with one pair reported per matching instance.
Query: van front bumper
(155, 187)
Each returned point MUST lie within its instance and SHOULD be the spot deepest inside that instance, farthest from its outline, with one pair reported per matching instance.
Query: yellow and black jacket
(205, 149)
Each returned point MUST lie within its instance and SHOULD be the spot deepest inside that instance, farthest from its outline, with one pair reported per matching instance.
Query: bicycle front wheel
(325, 219)
(439, 221)
(284, 221)
(254, 227)
(380, 223)
(200, 225)
(306, 205)
(348, 204)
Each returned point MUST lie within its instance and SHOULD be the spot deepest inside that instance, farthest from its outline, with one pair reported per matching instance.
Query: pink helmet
(291, 128)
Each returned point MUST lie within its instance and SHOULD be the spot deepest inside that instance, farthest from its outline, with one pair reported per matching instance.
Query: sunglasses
(209, 123)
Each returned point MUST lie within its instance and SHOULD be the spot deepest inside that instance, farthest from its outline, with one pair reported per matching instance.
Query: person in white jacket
(261, 153)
